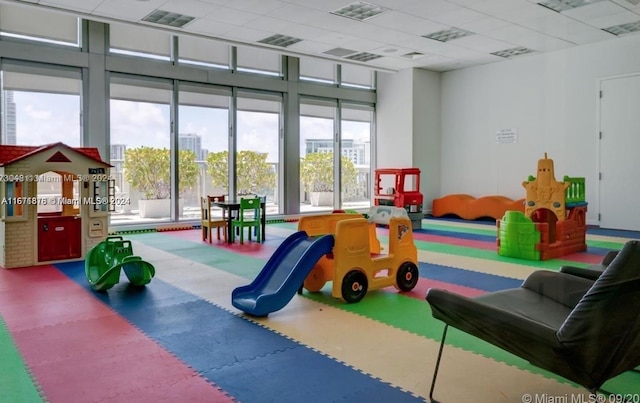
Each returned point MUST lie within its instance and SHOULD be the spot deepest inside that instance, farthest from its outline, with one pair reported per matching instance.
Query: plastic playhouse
(400, 187)
(554, 220)
(338, 247)
(56, 203)
(104, 261)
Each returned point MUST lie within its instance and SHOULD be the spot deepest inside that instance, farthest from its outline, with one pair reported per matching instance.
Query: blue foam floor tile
(467, 278)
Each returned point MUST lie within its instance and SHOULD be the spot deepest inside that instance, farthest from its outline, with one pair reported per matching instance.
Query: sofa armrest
(590, 273)
(563, 288)
(484, 320)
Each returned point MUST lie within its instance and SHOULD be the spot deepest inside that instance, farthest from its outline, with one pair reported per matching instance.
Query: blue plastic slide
(283, 275)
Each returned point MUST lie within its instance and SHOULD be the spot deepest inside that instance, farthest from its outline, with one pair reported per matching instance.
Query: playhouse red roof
(13, 153)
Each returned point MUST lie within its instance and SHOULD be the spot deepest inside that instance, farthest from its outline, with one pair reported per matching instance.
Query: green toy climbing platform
(104, 261)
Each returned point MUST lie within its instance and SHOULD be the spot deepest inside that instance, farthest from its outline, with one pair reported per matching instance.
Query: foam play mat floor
(180, 339)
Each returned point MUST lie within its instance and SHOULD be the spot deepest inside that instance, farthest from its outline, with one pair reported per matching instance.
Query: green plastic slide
(103, 263)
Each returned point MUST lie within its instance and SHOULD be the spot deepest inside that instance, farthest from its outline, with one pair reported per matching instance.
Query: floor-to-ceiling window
(355, 144)
(203, 134)
(317, 146)
(145, 72)
(140, 148)
(257, 153)
(40, 104)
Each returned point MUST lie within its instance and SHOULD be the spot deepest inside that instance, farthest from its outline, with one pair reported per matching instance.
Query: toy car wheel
(407, 276)
(354, 286)
(315, 280)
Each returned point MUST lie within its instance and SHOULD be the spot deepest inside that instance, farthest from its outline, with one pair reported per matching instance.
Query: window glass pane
(39, 109)
(259, 61)
(38, 24)
(204, 132)
(203, 52)
(316, 153)
(356, 76)
(317, 70)
(140, 144)
(355, 146)
(258, 147)
(139, 41)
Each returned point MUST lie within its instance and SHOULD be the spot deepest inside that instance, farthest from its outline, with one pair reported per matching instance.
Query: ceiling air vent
(167, 18)
(340, 52)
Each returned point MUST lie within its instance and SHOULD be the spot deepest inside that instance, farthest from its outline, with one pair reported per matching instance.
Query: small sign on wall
(507, 136)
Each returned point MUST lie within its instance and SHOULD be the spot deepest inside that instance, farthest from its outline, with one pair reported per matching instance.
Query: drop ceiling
(437, 35)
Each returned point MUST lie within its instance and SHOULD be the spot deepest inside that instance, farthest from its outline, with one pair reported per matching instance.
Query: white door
(620, 153)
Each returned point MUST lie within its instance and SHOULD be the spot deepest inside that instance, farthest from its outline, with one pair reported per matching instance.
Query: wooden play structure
(400, 187)
(553, 223)
(55, 203)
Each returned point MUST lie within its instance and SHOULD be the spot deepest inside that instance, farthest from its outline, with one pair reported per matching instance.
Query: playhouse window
(13, 200)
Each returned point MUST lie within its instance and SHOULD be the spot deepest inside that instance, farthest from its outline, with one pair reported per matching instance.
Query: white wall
(551, 99)
(408, 126)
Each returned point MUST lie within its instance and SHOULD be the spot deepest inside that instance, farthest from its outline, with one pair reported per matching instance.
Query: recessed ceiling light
(513, 52)
(280, 40)
(167, 18)
(360, 10)
(447, 35)
(624, 28)
(563, 5)
(363, 57)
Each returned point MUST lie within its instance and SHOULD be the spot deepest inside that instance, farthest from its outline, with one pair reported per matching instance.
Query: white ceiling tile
(393, 63)
(491, 7)
(524, 13)
(324, 5)
(588, 36)
(483, 59)
(312, 47)
(269, 24)
(484, 24)
(429, 8)
(407, 23)
(628, 4)
(361, 44)
(246, 34)
(217, 2)
(203, 26)
(231, 16)
(257, 6)
(193, 8)
(86, 6)
(606, 21)
(483, 43)
(528, 38)
(459, 17)
(298, 13)
(126, 10)
(593, 11)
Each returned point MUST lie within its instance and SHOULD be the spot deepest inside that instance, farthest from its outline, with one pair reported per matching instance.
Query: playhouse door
(59, 238)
